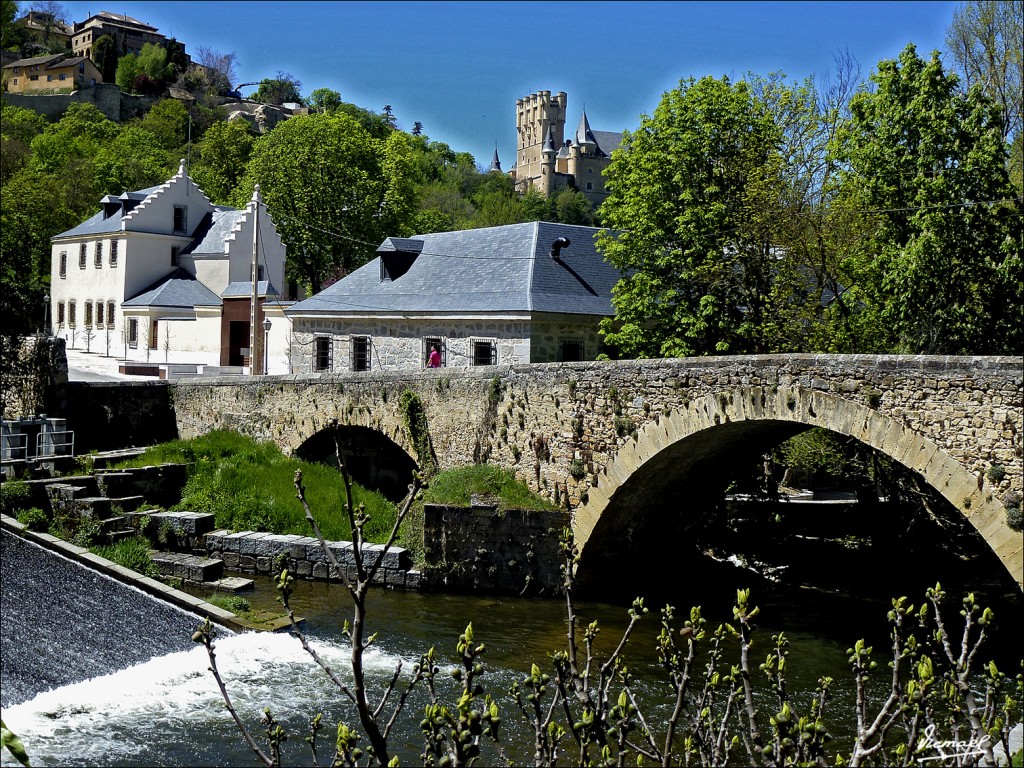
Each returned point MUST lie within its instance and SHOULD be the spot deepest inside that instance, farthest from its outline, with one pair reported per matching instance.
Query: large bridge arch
(705, 437)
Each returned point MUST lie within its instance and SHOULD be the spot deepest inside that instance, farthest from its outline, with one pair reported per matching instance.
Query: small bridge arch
(372, 458)
(705, 438)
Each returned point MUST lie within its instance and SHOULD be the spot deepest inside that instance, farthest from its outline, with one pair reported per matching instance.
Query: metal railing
(55, 444)
(14, 447)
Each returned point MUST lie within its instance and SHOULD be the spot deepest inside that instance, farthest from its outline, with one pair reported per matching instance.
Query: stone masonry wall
(481, 548)
(252, 552)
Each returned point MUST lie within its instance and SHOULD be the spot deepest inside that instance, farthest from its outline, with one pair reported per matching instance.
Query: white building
(164, 276)
(521, 293)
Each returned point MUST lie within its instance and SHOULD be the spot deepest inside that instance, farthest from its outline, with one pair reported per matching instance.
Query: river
(167, 711)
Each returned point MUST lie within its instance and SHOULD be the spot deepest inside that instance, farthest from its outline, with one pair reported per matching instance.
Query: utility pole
(254, 356)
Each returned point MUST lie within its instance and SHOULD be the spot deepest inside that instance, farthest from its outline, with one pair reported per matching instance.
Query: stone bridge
(633, 445)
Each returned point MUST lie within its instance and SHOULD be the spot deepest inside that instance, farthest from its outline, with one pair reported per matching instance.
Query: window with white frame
(72, 319)
(60, 313)
(88, 314)
(154, 334)
(113, 253)
(63, 265)
(485, 352)
(133, 333)
(82, 255)
(110, 314)
(361, 353)
(323, 350)
(98, 256)
(99, 314)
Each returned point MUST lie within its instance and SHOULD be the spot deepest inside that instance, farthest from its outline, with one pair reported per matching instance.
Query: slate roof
(607, 140)
(211, 233)
(98, 225)
(244, 288)
(178, 289)
(497, 269)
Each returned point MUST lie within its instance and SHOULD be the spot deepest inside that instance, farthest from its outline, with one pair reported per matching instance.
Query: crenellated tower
(539, 117)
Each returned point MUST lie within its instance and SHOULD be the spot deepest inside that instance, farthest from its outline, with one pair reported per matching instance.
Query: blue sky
(458, 67)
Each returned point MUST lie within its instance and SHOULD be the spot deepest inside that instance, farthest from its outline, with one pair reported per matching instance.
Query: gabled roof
(100, 223)
(37, 60)
(214, 229)
(178, 289)
(497, 269)
(607, 140)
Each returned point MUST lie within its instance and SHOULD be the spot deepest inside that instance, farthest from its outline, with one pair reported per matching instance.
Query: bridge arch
(372, 458)
(713, 433)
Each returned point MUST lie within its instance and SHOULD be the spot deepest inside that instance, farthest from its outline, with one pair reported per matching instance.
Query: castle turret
(547, 164)
(495, 162)
(585, 137)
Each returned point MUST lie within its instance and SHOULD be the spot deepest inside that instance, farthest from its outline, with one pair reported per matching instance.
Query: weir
(62, 623)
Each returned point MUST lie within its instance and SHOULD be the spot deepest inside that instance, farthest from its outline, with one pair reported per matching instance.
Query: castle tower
(495, 162)
(536, 115)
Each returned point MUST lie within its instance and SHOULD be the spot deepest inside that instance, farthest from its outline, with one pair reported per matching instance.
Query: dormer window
(180, 218)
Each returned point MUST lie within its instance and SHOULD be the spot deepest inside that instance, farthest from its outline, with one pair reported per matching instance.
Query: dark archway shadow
(667, 533)
(373, 460)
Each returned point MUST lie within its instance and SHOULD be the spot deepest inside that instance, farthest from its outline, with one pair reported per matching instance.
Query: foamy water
(169, 711)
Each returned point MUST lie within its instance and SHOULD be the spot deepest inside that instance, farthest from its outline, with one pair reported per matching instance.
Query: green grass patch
(249, 486)
(457, 486)
(129, 553)
(234, 603)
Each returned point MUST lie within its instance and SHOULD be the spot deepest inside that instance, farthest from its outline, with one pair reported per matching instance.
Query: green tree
(693, 194)
(18, 127)
(282, 89)
(334, 190)
(324, 100)
(220, 159)
(127, 72)
(569, 206)
(105, 56)
(939, 271)
(67, 150)
(167, 121)
(135, 159)
(11, 35)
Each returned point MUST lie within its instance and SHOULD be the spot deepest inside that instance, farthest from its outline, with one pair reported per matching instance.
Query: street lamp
(46, 314)
(266, 345)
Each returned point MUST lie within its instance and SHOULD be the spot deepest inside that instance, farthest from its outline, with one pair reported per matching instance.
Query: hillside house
(162, 275)
(54, 73)
(522, 293)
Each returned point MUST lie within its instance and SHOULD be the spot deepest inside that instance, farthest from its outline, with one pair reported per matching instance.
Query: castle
(548, 161)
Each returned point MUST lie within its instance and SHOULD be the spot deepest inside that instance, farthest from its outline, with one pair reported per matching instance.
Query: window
(429, 342)
(360, 353)
(63, 267)
(81, 66)
(154, 335)
(60, 313)
(322, 353)
(71, 314)
(63, 76)
(99, 314)
(590, 185)
(570, 350)
(175, 253)
(259, 273)
(98, 257)
(113, 253)
(81, 256)
(180, 218)
(33, 77)
(88, 314)
(133, 333)
(485, 353)
(110, 314)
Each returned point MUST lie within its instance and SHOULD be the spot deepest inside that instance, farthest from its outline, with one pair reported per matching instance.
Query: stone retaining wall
(483, 548)
(253, 552)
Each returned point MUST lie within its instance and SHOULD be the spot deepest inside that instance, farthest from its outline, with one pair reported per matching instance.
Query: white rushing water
(169, 711)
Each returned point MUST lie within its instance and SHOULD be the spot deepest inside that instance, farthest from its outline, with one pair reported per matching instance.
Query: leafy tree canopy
(939, 271)
(334, 190)
(220, 159)
(283, 89)
(691, 193)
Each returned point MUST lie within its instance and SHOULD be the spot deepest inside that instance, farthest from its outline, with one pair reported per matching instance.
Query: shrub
(457, 487)
(14, 495)
(129, 553)
(34, 519)
(234, 603)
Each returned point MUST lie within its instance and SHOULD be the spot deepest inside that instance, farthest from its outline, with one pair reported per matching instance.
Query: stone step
(187, 523)
(187, 567)
(127, 503)
(231, 584)
(115, 536)
(110, 524)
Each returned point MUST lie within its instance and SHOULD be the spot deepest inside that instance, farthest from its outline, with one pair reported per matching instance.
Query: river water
(168, 711)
